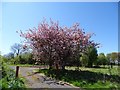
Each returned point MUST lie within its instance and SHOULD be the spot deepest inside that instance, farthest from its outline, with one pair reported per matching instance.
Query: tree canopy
(56, 44)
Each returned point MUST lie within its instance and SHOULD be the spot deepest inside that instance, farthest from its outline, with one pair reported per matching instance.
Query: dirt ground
(37, 80)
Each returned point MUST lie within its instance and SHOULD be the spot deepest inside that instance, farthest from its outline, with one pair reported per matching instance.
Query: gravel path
(37, 80)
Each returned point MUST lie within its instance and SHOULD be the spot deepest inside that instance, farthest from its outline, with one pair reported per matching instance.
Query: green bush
(8, 78)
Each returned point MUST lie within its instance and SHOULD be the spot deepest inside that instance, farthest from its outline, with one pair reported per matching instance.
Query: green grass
(25, 65)
(104, 70)
(22, 65)
(86, 77)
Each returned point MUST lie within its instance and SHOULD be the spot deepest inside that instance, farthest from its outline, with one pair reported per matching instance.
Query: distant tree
(4, 59)
(118, 58)
(108, 56)
(18, 49)
(92, 55)
(84, 60)
(114, 56)
(9, 55)
(27, 58)
(102, 59)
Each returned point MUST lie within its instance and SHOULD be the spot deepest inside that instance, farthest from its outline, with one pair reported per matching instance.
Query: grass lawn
(87, 77)
(27, 65)
(22, 65)
(104, 70)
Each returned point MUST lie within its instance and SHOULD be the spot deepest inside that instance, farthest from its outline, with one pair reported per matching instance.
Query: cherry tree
(57, 44)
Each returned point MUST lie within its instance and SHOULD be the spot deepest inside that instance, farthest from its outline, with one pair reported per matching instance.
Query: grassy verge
(27, 65)
(104, 70)
(86, 77)
(22, 65)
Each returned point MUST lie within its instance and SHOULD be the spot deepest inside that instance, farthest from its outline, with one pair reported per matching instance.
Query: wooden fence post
(17, 70)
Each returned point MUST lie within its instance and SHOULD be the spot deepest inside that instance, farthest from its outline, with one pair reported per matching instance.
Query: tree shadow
(75, 75)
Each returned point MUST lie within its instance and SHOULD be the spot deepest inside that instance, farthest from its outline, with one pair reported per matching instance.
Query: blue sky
(100, 18)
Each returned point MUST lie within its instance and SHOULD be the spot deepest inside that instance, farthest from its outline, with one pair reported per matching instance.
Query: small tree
(102, 59)
(118, 58)
(18, 49)
(114, 56)
(84, 60)
(27, 58)
(92, 55)
(108, 56)
(9, 56)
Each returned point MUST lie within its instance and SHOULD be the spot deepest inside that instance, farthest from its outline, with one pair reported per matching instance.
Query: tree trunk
(89, 64)
(56, 66)
(63, 66)
(50, 65)
(50, 60)
(111, 65)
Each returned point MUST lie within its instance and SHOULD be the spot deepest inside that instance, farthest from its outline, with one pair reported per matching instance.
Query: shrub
(8, 78)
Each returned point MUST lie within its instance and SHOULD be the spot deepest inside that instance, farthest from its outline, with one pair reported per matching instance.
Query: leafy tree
(16, 60)
(27, 58)
(114, 56)
(18, 49)
(9, 55)
(92, 55)
(56, 44)
(84, 60)
(3, 58)
(118, 58)
(102, 59)
(108, 56)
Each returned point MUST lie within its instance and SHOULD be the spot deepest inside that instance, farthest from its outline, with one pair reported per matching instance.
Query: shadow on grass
(78, 76)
